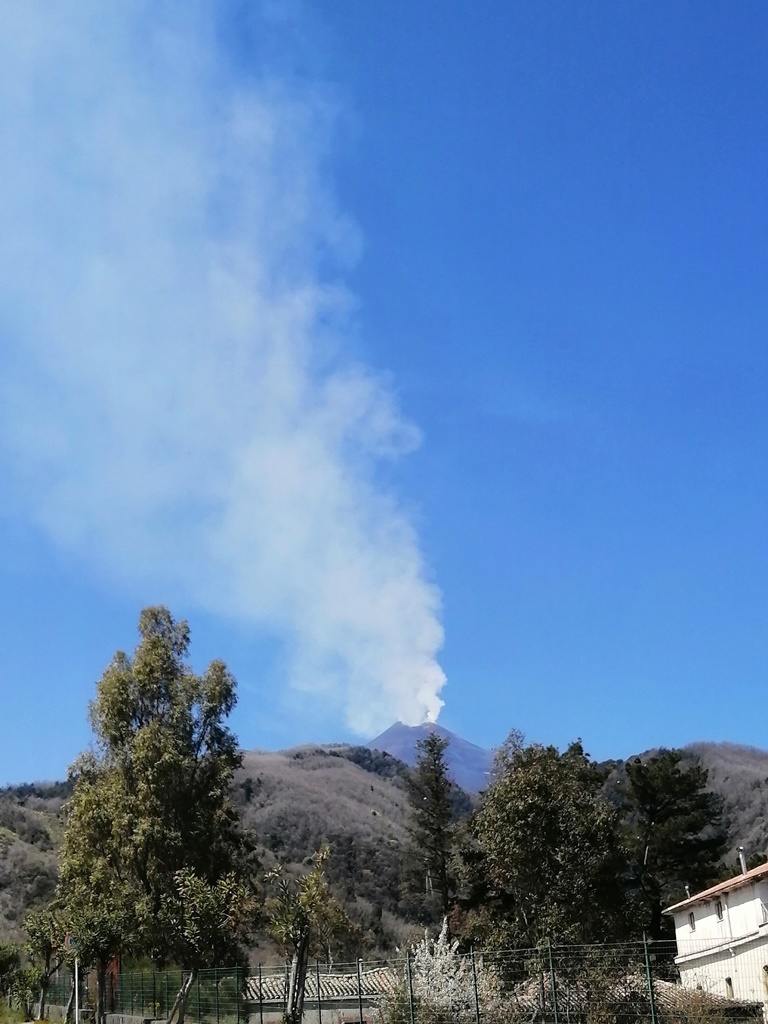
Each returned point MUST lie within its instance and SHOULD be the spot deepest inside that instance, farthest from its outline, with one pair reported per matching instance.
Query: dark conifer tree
(431, 795)
(674, 831)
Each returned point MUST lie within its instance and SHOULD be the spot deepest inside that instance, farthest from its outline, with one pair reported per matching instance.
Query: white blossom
(444, 984)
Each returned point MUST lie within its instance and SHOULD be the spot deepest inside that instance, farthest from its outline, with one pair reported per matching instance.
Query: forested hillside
(740, 775)
(351, 798)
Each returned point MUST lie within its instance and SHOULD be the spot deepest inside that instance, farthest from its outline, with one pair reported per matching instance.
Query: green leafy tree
(303, 917)
(25, 985)
(213, 922)
(151, 806)
(99, 917)
(45, 945)
(432, 818)
(19, 980)
(543, 856)
(674, 831)
(10, 962)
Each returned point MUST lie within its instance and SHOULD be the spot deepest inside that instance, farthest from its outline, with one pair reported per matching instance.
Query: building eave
(707, 895)
(722, 946)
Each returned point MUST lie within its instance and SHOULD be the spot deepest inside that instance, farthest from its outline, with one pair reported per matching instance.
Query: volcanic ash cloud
(179, 406)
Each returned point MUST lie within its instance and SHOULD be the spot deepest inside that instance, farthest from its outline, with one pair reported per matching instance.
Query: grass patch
(9, 1016)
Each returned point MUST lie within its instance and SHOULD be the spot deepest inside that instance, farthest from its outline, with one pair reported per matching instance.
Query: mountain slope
(469, 765)
(351, 798)
(740, 775)
(347, 799)
(29, 837)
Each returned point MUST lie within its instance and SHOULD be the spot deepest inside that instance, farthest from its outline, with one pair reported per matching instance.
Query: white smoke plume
(179, 403)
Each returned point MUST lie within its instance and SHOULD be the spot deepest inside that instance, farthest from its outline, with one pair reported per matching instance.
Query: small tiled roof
(716, 890)
(676, 999)
(626, 991)
(672, 999)
(379, 981)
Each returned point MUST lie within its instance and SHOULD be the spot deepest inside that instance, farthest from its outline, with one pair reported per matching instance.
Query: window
(729, 988)
(719, 910)
(692, 921)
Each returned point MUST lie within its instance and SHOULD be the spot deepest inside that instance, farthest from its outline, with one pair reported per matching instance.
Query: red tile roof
(731, 883)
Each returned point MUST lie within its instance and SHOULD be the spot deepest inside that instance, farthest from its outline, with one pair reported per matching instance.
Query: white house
(722, 938)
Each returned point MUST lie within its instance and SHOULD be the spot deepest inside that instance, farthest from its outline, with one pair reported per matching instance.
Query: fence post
(198, 997)
(165, 986)
(360, 991)
(410, 985)
(154, 993)
(319, 1000)
(261, 999)
(216, 989)
(474, 985)
(141, 991)
(649, 977)
(552, 980)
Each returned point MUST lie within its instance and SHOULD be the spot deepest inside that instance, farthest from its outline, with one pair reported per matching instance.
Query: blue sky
(384, 342)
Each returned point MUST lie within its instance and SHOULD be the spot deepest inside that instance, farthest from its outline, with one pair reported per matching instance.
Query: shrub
(444, 987)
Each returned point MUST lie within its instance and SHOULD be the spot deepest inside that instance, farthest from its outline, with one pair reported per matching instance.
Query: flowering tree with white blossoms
(445, 986)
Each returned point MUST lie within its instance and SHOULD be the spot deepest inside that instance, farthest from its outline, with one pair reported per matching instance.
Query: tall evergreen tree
(674, 831)
(431, 795)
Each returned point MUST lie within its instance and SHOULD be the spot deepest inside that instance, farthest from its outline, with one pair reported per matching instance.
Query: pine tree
(432, 825)
(674, 831)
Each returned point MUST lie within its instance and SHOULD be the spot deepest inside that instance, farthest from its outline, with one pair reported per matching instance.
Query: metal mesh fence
(632, 983)
(215, 996)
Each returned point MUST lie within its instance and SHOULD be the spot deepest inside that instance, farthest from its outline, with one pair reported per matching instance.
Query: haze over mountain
(469, 765)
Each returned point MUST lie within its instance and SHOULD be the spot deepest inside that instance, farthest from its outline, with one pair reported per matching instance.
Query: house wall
(746, 965)
(727, 957)
(742, 915)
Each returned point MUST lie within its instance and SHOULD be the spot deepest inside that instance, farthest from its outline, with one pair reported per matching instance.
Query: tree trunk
(297, 986)
(101, 986)
(70, 1003)
(180, 1003)
(48, 973)
(657, 920)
